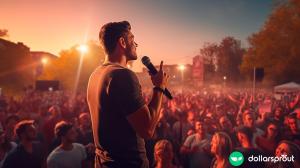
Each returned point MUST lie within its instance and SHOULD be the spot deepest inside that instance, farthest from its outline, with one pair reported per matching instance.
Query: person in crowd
(247, 148)
(197, 147)
(297, 112)
(249, 121)
(85, 132)
(183, 126)
(293, 131)
(6, 147)
(48, 127)
(163, 154)
(269, 140)
(289, 149)
(9, 126)
(227, 127)
(68, 153)
(279, 116)
(28, 153)
(221, 147)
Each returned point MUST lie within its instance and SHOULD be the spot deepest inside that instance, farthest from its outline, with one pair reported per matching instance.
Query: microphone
(152, 70)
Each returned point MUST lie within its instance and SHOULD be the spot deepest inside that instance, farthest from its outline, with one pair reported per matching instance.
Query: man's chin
(133, 58)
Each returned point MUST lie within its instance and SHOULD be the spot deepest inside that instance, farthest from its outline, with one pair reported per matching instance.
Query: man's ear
(122, 42)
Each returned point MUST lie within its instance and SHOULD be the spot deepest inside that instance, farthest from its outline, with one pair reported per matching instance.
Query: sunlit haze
(172, 30)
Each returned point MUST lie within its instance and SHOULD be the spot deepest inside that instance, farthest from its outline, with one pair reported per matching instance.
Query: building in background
(42, 59)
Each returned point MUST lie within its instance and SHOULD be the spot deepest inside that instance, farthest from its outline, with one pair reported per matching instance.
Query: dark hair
(11, 117)
(278, 136)
(245, 130)
(295, 149)
(110, 34)
(61, 128)
(247, 112)
(20, 128)
(6, 145)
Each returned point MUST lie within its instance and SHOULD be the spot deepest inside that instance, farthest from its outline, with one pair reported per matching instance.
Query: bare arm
(145, 119)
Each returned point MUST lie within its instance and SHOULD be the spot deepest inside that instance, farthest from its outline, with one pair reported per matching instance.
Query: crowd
(196, 129)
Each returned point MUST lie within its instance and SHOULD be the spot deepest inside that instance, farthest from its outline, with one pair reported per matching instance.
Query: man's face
(191, 118)
(278, 113)
(30, 133)
(225, 123)
(249, 120)
(272, 130)
(71, 135)
(241, 137)
(293, 124)
(131, 45)
(85, 121)
(199, 127)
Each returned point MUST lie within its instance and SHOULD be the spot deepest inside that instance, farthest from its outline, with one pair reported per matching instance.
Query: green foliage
(276, 46)
(222, 59)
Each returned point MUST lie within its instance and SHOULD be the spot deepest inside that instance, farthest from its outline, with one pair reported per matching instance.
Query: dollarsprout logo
(236, 158)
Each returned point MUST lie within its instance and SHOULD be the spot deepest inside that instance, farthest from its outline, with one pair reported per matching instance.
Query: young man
(245, 136)
(197, 147)
(68, 153)
(28, 153)
(120, 117)
(249, 122)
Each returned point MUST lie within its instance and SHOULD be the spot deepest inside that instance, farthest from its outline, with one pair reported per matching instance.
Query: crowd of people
(196, 129)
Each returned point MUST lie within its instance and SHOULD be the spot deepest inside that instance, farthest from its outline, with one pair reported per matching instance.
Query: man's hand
(161, 78)
(90, 148)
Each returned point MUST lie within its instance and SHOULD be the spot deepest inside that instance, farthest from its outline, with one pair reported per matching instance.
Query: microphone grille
(145, 60)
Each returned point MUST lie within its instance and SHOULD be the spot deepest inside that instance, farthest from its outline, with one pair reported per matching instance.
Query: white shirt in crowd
(59, 158)
(13, 146)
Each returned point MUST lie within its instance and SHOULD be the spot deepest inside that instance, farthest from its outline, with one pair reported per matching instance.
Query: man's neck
(67, 146)
(27, 145)
(247, 145)
(116, 59)
(164, 165)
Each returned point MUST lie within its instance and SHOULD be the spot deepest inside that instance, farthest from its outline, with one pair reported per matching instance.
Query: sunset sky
(172, 30)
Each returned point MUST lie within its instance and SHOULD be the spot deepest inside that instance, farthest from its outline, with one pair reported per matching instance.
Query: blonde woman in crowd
(163, 154)
(221, 147)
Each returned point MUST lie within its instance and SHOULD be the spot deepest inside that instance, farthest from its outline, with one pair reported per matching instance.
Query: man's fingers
(161, 65)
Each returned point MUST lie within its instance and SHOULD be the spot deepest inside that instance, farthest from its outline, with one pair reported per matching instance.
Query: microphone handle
(153, 71)
(168, 94)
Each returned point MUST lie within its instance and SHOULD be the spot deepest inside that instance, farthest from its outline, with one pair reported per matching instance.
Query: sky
(169, 30)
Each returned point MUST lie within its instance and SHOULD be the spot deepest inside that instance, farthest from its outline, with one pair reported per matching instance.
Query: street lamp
(181, 69)
(224, 77)
(44, 61)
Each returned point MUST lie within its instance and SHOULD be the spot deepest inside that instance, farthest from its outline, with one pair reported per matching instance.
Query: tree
(222, 59)
(3, 33)
(276, 46)
(16, 67)
(209, 53)
(229, 58)
(65, 68)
